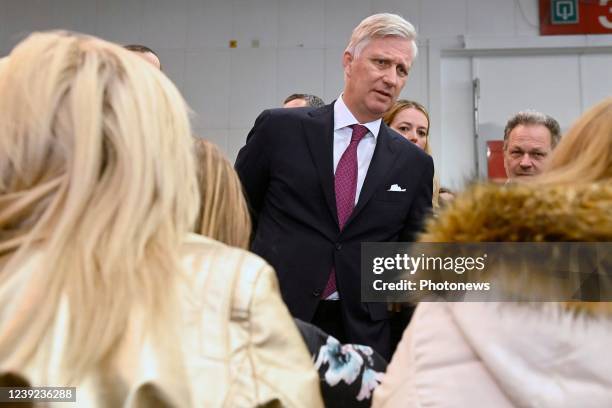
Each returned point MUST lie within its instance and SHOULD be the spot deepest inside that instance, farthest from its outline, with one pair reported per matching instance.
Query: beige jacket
(510, 354)
(240, 345)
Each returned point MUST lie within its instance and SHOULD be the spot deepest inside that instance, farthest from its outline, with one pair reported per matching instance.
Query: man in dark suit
(320, 182)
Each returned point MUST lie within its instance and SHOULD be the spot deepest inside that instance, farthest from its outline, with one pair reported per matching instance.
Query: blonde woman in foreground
(100, 286)
(543, 354)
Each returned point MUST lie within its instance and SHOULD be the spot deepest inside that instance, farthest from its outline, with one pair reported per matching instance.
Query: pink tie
(345, 182)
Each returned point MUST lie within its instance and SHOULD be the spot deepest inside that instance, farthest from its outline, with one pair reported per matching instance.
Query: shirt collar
(343, 118)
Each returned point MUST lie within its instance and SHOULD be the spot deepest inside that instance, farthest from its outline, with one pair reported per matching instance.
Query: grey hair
(381, 25)
(531, 117)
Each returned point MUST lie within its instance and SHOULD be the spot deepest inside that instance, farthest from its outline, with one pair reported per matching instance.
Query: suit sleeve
(421, 205)
(253, 166)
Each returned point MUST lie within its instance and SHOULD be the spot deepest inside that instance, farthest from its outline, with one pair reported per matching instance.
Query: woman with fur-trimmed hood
(511, 354)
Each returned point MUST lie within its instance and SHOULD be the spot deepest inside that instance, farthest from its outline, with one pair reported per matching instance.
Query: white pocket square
(396, 187)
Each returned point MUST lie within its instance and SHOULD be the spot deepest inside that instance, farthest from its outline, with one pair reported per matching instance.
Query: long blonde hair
(585, 152)
(98, 182)
(584, 155)
(224, 214)
(389, 116)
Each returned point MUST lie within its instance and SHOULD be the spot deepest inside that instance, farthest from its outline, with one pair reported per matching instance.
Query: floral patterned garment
(349, 373)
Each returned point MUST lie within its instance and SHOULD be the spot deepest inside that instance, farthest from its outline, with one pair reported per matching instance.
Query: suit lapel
(382, 161)
(320, 139)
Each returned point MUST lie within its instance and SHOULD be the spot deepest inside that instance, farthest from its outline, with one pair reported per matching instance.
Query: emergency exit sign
(558, 17)
(564, 11)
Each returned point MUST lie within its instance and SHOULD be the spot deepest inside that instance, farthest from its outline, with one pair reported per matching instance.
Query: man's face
(526, 151)
(374, 79)
(296, 103)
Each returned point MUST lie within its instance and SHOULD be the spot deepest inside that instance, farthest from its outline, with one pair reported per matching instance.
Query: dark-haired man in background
(303, 100)
(146, 53)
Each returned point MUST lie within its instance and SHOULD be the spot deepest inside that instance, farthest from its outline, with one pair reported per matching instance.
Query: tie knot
(359, 131)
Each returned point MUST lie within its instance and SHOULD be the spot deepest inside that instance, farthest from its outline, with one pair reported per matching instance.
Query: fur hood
(524, 213)
(527, 213)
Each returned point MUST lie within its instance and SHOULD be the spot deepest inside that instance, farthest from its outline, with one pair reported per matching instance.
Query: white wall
(287, 46)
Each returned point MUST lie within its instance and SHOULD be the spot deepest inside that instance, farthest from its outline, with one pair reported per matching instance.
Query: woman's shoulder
(200, 252)
(212, 266)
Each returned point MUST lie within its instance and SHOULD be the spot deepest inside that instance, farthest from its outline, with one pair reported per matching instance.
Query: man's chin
(379, 109)
(523, 177)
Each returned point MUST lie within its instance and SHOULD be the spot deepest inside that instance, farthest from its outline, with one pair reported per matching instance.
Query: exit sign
(558, 17)
(564, 11)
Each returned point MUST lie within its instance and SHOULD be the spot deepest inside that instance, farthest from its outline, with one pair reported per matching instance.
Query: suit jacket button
(316, 293)
(338, 246)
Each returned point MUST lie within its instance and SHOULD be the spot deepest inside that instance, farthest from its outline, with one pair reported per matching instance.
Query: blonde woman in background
(224, 215)
(584, 154)
(411, 120)
(100, 286)
(540, 354)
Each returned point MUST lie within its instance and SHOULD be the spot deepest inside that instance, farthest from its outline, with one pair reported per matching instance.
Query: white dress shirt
(343, 119)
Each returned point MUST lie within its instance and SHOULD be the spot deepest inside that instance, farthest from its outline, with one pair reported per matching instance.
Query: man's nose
(390, 77)
(526, 161)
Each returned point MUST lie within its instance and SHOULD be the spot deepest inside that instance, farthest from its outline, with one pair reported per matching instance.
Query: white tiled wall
(236, 140)
(341, 16)
(526, 76)
(300, 70)
(526, 17)
(82, 16)
(17, 19)
(255, 20)
(174, 64)
(301, 23)
(442, 18)
(252, 84)
(287, 46)
(407, 9)
(164, 23)
(218, 136)
(418, 78)
(453, 140)
(207, 91)
(334, 73)
(479, 21)
(209, 24)
(120, 21)
(597, 76)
